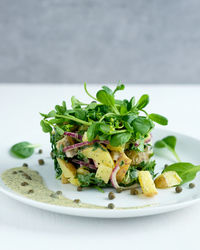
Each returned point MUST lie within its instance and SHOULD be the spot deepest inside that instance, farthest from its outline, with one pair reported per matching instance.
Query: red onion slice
(74, 135)
(83, 163)
(82, 144)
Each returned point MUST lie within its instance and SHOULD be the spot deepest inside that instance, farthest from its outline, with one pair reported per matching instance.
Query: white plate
(167, 200)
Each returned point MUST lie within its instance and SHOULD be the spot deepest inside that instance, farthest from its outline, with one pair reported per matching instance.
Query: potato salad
(106, 142)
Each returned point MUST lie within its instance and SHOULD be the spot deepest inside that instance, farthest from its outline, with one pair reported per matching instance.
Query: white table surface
(23, 227)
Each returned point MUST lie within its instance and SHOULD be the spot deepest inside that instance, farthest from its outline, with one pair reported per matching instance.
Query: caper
(79, 189)
(30, 191)
(76, 200)
(58, 192)
(40, 151)
(41, 162)
(134, 191)
(24, 183)
(178, 189)
(191, 185)
(53, 195)
(25, 165)
(27, 176)
(51, 154)
(111, 206)
(111, 196)
(118, 190)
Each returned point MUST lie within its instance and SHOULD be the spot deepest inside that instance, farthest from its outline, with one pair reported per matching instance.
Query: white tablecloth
(23, 227)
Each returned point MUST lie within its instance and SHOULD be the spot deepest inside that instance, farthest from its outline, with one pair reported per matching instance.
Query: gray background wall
(155, 41)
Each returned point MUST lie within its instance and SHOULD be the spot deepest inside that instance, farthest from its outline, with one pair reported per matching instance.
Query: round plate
(132, 206)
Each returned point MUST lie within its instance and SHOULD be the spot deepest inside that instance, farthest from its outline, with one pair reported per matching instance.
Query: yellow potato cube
(167, 179)
(124, 163)
(64, 180)
(68, 169)
(99, 156)
(104, 173)
(75, 181)
(147, 183)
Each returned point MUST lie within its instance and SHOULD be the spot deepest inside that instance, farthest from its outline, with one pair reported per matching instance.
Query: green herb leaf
(59, 130)
(92, 131)
(143, 101)
(159, 119)
(131, 104)
(76, 103)
(131, 176)
(45, 126)
(23, 149)
(168, 142)
(185, 170)
(142, 125)
(105, 98)
(104, 128)
(119, 87)
(107, 89)
(90, 180)
(120, 139)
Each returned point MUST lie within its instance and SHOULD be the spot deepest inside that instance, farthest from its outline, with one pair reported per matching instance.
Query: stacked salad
(104, 143)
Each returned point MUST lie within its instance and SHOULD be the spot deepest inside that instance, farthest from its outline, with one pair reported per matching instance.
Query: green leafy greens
(106, 118)
(168, 142)
(120, 122)
(23, 149)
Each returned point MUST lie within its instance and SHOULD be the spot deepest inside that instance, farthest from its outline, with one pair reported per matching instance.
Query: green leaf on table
(23, 149)
(168, 142)
(185, 170)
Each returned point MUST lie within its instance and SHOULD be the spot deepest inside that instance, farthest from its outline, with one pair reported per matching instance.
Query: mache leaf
(159, 119)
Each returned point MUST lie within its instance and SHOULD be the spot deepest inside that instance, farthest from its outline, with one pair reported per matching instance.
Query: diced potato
(69, 171)
(115, 155)
(64, 180)
(82, 170)
(104, 173)
(75, 181)
(147, 183)
(99, 156)
(65, 141)
(138, 157)
(124, 163)
(103, 161)
(117, 149)
(167, 179)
